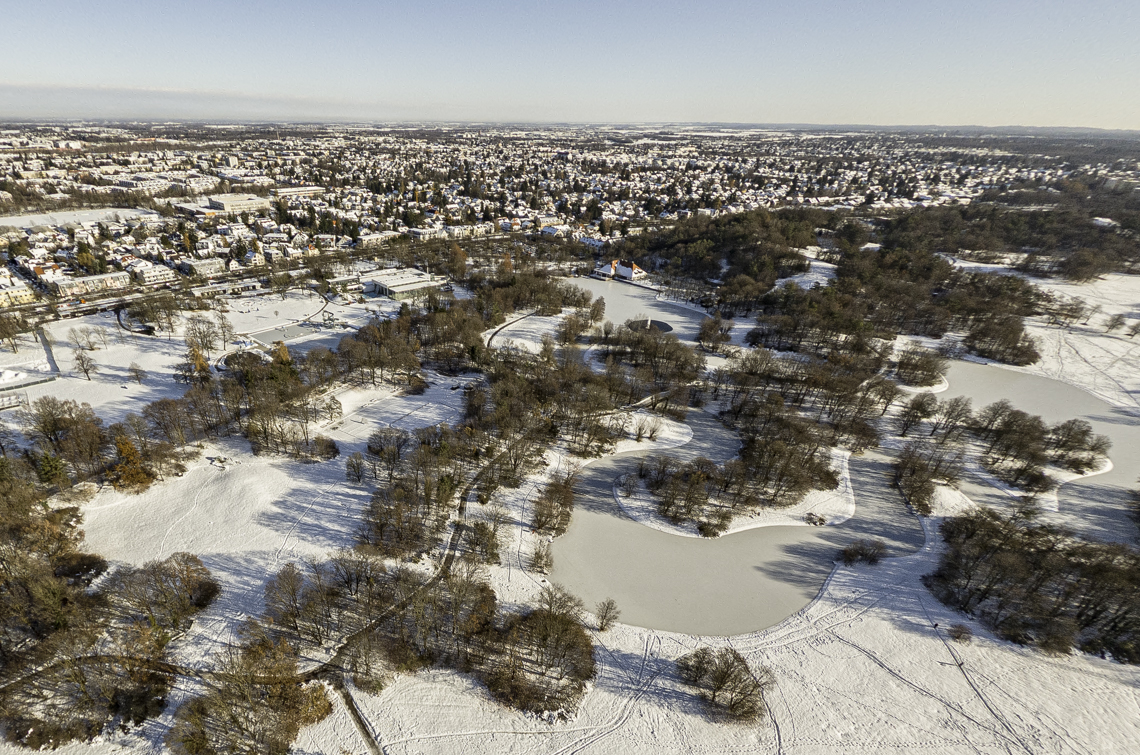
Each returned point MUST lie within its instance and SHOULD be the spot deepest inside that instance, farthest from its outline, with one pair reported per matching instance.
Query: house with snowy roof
(623, 269)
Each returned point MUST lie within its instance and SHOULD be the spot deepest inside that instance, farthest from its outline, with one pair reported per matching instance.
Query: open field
(861, 655)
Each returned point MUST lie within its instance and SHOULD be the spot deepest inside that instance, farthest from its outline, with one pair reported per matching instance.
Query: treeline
(255, 700)
(758, 244)
(1057, 241)
(1020, 445)
(1040, 585)
(1016, 446)
(883, 293)
(81, 651)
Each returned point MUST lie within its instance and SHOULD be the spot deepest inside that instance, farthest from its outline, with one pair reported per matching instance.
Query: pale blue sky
(887, 62)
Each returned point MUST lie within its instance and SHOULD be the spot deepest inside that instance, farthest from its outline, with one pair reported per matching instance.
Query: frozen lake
(755, 579)
(1096, 506)
(734, 584)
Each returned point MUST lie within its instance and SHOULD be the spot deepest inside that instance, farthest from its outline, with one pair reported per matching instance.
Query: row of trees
(1015, 446)
(76, 661)
(1038, 584)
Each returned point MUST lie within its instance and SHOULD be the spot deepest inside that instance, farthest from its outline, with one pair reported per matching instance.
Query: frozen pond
(755, 579)
(1096, 506)
(734, 584)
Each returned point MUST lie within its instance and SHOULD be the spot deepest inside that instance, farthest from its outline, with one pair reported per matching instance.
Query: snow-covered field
(526, 333)
(245, 516)
(75, 216)
(111, 391)
(866, 667)
(1106, 365)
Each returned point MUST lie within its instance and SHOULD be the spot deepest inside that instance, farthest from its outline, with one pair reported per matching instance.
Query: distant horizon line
(1005, 130)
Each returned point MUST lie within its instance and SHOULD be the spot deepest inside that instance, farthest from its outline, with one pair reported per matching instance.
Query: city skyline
(884, 64)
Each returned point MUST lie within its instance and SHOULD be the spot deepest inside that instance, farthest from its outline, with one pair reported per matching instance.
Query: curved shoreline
(733, 584)
(836, 506)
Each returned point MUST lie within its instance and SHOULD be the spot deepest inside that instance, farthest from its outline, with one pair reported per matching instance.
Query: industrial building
(233, 203)
(400, 283)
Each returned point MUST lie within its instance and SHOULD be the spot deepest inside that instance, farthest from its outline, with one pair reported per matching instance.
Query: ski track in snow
(1006, 698)
(189, 509)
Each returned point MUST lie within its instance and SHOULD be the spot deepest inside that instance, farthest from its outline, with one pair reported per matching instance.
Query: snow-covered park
(862, 663)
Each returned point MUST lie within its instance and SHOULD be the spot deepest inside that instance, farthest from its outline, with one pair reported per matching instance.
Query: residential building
(204, 268)
(622, 269)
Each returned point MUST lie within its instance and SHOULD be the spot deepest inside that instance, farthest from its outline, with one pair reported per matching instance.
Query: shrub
(863, 552)
(960, 633)
(325, 448)
(725, 682)
(80, 568)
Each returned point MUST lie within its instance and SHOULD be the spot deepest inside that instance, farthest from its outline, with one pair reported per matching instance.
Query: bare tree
(226, 332)
(137, 373)
(11, 326)
(83, 362)
(203, 333)
(541, 560)
(607, 613)
(1115, 322)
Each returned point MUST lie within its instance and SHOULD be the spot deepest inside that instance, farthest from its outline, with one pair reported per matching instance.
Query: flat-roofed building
(92, 284)
(297, 191)
(14, 291)
(400, 283)
(232, 203)
(221, 289)
(203, 268)
(149, 275)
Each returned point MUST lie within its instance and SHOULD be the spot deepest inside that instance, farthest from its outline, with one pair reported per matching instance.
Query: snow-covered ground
(867, 666)
(110, 391)
(819, 273)
(246, 516)
(1106, 365)
(303, 319)
(526, 332)
(835, 506)
(365, 409)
